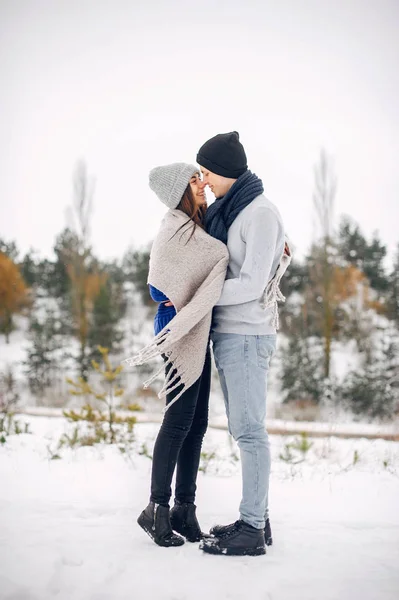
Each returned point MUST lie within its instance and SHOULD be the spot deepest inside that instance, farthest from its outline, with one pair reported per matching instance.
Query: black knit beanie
(224, 155)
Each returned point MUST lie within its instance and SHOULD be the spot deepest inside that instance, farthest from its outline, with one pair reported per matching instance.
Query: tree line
(340, 292)
(74, 295)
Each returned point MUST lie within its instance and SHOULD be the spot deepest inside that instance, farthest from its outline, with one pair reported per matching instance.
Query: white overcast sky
(128, 85)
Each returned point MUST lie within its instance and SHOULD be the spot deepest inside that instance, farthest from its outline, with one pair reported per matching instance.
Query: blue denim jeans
(243, 363)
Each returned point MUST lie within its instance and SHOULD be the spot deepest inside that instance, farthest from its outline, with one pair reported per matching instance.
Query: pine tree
(29, 269)
(66, 246)
(13, 294)
(41, 364)
(115, 272)
(294, 281)
(9, 249)
(302, 370)
(373, 265)
(393, 290)
(373, 390)
(366, 257)
(108, 308)
(347, 284)
(135, 266)
(352, 244)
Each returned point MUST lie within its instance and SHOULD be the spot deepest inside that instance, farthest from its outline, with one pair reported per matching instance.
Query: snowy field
(68, 527)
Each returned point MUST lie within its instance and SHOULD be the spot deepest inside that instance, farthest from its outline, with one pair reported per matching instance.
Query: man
(244, 328)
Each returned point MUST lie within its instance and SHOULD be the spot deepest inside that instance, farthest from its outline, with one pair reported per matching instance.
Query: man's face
(219, 185)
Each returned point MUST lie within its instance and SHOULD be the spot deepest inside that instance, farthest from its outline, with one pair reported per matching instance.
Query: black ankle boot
(221, 530)
(184, 520)
(268, 533)
(156, 522)
(241, 540)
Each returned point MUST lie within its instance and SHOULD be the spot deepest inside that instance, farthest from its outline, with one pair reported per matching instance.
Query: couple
(215, 274)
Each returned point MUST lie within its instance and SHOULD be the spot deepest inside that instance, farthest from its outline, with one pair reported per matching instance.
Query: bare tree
(83, 191)
(85, 279)
(325, 187)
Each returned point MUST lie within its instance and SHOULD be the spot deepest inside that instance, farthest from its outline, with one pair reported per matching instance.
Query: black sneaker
(240, 540)
(221, 530)
(184, 520)
(156, 522)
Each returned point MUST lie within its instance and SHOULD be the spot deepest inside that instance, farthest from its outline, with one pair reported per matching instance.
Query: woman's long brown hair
(195, 213)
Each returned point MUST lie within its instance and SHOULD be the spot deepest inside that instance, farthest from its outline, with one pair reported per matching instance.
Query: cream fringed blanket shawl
(191, 273)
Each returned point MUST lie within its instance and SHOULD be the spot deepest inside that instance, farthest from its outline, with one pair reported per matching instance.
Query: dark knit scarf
(222, 213)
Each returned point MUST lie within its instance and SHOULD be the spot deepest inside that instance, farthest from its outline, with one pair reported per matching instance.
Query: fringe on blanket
(173, 378)
(272, 294)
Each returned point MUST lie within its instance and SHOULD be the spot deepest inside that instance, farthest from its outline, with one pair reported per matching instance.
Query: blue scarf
(221, 214)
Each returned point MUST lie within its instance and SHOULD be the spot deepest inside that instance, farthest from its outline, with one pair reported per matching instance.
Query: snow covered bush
(302, 375)
(373, 390)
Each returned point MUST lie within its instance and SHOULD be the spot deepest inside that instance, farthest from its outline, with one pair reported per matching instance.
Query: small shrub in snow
(9, 395)
(144, 451)
(98, 428)
(133, 406)
(302, 444)
(206, 459)
(289, 456)
(9, 398)
(295, 452)
(11, 426)
(99, 425)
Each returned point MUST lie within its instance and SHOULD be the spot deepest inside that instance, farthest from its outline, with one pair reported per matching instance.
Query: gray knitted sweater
(248, 303)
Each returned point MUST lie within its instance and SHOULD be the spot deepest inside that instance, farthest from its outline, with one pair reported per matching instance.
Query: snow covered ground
(68, 527)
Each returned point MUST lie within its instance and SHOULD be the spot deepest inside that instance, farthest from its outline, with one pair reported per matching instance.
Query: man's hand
(168, 303)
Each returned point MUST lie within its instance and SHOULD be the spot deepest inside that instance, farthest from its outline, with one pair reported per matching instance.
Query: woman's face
(198, 189)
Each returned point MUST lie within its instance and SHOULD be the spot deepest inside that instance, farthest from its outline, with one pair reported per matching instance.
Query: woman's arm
(158, 296)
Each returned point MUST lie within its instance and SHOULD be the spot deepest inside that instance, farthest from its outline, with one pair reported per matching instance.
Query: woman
(186, 276)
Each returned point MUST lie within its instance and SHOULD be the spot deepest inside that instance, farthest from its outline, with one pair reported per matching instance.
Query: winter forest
(339, 326)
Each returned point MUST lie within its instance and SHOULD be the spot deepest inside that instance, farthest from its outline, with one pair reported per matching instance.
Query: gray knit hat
(170, 181)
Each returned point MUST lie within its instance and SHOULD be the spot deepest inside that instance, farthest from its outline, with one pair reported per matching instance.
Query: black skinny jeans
(179, 441)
